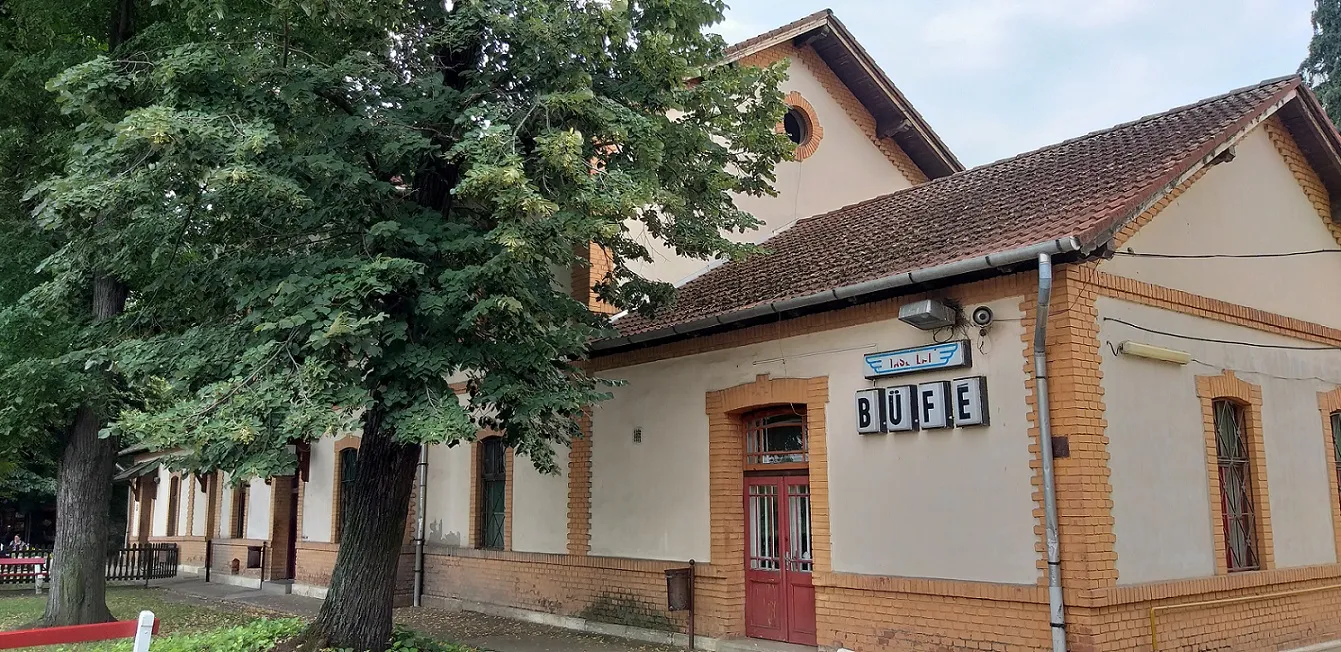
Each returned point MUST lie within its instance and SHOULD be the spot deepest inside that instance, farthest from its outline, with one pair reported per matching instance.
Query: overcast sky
(999, 77)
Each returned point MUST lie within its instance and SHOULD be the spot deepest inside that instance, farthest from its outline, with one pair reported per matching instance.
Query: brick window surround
(476, 504)
(1248, 397)
(1329, 403)
(814, 132)
(726, 473)
(337, 511)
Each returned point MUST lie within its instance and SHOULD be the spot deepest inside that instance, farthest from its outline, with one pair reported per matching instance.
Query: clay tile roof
(1082, 188)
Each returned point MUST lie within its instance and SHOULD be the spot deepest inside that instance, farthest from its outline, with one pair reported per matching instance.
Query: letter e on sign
(871, 411)
(900, 410)
(970, 401)
(933, 405)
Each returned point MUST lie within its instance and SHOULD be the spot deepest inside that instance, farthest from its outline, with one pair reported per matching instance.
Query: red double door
(779, 593)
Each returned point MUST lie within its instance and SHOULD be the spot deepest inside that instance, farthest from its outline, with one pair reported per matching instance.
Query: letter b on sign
(871, 411)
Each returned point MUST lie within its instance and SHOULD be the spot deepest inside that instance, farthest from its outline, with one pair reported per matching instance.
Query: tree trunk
(357, 611)
(83, 503)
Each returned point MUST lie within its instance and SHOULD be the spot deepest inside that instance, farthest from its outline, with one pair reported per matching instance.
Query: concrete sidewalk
(478, 630)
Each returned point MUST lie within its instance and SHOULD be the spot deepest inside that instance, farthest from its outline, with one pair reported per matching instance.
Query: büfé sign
(961, 402)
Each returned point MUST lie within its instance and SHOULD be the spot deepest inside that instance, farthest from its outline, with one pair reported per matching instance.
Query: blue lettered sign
(923, 358)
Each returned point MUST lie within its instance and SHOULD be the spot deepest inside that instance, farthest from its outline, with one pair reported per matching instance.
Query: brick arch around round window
(814, 131)
(726, 473)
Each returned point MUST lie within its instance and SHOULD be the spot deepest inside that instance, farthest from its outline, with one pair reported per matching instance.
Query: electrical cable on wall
(1195, 338)
(1285, 254)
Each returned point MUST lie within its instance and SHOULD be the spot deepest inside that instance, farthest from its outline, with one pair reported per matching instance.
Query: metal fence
(134, 563)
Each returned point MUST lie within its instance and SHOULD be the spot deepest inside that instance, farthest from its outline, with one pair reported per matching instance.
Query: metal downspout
(419, 525)
(1056, 610)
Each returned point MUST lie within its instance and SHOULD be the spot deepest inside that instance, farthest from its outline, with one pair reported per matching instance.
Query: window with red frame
(775, 438)
(1236, 499)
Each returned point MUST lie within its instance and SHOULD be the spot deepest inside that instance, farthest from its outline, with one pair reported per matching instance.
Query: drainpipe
(419, 525)
(1056, 611)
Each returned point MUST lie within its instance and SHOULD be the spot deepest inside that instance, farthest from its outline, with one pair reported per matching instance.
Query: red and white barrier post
(144, 631)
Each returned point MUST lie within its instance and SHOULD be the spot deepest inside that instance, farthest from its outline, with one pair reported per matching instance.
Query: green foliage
(1322, 68)
(258, 635)
(328, 212)
(42, 319)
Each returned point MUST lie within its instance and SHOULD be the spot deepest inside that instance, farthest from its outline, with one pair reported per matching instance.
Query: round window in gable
(801, 126)
(797, 125)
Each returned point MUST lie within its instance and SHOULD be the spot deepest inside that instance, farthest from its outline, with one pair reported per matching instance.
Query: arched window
(775, 438)
(174, 504)
(346, 467)
(1236, 490)
(493, 476)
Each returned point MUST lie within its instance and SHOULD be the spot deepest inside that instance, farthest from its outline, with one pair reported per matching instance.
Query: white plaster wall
(133, 519)
(160, 515)
(540, 506)
(447, 511)
(225, 507)
(184, 496)
(1157, 448)
(946, 503)
(846, 169)
(202, 503)
(258, 510)
(1250, 205)
(318, 493)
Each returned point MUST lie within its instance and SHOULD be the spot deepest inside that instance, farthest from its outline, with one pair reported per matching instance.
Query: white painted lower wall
(160, 513)
(258, 510)
(1161, 503)
(319, 492)
(540, 506)
(447, 511)
(201, 501)
(951, 504)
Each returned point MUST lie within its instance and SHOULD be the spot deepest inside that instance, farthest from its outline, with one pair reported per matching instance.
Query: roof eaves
(1104, 229)
(847, 293)
(896, 96)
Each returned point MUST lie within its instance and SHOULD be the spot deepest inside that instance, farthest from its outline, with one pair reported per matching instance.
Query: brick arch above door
(726, 472)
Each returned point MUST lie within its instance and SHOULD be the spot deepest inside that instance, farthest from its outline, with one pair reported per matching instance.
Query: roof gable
(895, 118)
(1074, 194)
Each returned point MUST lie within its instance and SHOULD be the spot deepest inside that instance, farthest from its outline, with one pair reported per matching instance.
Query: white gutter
(847, 292)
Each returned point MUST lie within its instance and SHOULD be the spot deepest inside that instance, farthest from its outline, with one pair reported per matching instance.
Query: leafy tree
(51, 401)
(1323, 64)
(327, 211)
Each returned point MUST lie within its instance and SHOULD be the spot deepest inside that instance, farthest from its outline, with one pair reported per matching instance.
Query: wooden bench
(38, 572)
(142, 630)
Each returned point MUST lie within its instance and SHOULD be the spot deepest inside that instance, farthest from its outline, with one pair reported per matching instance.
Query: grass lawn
(187, 624)
(21, 608)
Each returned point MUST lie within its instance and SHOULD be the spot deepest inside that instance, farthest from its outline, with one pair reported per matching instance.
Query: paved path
(476, 630)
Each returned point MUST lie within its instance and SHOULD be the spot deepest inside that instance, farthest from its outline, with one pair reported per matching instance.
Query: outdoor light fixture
(927, 315)
(1154, 352)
